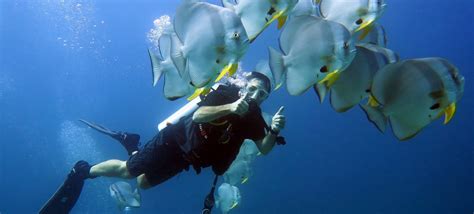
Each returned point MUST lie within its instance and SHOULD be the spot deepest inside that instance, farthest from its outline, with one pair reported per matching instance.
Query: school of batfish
(335, 47)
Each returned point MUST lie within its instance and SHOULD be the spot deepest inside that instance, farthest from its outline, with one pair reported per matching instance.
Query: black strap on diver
(280, 140)
(210, 201)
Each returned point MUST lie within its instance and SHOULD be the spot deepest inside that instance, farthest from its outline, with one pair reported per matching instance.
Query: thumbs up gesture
(278, 121)
(240, 107)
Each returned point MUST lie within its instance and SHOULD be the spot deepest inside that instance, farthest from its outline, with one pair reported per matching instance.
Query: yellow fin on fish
(198, 92)
(449, 112)
(331, 78)
(275, 17)
(281, 21)
(233, 69)
(372, 101)
(229, 69)
(365, 31)
(364, 25)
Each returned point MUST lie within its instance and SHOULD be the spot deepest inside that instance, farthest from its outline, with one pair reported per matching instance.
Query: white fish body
(124, 196)
(413, 93)
(258, 15)
(238, 173)
(313, 49)
(227, 197)
(201, 51)
(174, 86)
(248, 151)
(353, 85)
(355, 15)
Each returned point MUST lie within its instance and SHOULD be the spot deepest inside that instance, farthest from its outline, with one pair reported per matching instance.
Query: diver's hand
(278, 120)
(240, 107)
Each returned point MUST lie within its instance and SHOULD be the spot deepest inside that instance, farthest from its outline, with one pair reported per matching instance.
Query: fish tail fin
(321, 90)
(276, 66)
(177, 55)
(376, 116)
(156, 67)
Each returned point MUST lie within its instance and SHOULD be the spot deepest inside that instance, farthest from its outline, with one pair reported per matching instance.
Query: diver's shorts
(158, 160)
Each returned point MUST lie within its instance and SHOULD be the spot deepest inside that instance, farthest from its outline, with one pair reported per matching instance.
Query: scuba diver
(211, 136)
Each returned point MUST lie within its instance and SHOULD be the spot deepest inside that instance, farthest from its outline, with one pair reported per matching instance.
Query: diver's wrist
(273, 132)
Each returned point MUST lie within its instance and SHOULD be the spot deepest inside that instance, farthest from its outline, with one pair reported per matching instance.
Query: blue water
(333, 163)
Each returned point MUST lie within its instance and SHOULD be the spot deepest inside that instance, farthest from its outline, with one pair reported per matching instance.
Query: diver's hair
(261, 77)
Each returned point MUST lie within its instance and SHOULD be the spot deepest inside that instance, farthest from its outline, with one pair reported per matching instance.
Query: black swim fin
(115, 135)
(68, 193)
(128, 140)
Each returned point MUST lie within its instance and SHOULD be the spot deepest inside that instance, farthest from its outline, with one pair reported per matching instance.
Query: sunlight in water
(77, 144)
(75, 23)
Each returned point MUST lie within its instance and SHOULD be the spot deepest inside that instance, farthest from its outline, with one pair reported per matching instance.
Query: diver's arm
(206, 114)
(266, 144)
(278, 123)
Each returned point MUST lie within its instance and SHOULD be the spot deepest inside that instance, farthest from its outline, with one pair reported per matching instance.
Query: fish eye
(271, 11)
(435, 106)
(235, 35)
(324, 69)
(359, 21)
(218, 61)
(346, 45)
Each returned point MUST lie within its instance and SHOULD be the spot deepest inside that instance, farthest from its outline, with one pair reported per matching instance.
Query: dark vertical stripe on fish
(118, 193)
(426, 70)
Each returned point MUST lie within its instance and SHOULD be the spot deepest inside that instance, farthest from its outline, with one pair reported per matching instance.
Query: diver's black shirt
(207, 140)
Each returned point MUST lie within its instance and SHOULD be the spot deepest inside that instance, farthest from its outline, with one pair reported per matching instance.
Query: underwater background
(64, 60)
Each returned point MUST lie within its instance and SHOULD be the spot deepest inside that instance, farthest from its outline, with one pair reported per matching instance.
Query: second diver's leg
(111, 168)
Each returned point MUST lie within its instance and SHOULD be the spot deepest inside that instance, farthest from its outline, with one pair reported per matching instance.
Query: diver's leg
(111, 168)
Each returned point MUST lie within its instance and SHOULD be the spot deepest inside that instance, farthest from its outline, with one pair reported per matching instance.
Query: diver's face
(256, 91)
